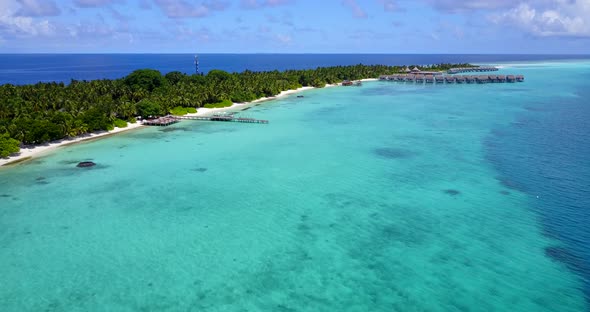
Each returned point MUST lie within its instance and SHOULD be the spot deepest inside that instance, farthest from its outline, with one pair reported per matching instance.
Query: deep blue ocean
(544, 153)
(32, 68)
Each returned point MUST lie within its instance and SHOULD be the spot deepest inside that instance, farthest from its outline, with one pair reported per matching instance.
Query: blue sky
(295, 26)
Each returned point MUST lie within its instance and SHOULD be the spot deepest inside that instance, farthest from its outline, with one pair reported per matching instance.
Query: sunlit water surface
(387, 197)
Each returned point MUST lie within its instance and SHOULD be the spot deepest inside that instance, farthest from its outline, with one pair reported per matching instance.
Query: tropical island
(45, 112)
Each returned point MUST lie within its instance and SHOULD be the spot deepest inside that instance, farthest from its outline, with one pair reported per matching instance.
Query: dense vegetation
(33, 114)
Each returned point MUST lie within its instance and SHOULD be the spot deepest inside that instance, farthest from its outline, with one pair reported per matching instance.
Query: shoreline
(32, 152)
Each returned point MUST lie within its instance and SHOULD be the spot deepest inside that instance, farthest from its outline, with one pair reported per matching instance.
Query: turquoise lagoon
(378, 198)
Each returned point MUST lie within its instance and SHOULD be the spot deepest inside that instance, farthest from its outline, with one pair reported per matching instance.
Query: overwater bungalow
(162, 121)
(482, 79)
(449, 79)
(422, 78)
(478, 69)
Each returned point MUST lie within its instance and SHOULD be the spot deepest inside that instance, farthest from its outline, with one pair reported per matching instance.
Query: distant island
(44, 112)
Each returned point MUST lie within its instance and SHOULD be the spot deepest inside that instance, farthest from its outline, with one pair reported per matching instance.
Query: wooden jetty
(478, 69)
(347, 83)
(226, 118)
(162, 121)
(169, 120)
(452, 79)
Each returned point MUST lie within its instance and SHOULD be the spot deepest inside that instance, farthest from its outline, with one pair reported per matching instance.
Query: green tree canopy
(43, 112)
(175, 77)
(147, 79)
(8, 145)
(218, 75)
(149, 108)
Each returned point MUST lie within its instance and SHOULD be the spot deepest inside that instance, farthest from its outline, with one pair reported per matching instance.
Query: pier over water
(479, 69)
(452, 79)
(169, 120)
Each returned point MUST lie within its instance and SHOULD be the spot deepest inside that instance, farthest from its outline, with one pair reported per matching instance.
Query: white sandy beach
(39, 150)
(240, 106)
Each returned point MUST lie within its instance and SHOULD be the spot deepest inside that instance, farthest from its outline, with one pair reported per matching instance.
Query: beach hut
(415, 69)
(347, 83)
(407, 70)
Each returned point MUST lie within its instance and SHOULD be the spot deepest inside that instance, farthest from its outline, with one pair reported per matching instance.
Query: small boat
(300, 96)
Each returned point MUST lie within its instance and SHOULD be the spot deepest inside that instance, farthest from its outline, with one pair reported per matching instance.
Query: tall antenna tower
(196, 64)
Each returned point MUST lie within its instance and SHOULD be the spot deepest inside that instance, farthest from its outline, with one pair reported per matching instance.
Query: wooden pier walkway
(453, 79)
(478, 69)
(169, 120)
(162, 121)
(226, 118)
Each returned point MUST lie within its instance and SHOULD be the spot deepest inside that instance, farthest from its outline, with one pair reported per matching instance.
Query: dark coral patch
(510, 184)
(393, 153)
(85, 164)
(199, 169)
(4, 195)
(452, 192)
(573, 261)
(504, 192)
(172, 129)
(69, 162)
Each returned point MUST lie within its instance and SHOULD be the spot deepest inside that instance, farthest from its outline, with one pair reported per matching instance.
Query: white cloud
(182, 9)
(562, 18)
(93, 3)
(357, 11)
(23, 26)
(389, 5)
(456, 6)
(284, 39)
(256, 4)
(38, 8)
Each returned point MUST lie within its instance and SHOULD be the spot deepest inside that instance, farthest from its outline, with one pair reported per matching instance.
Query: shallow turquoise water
(379, 198)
